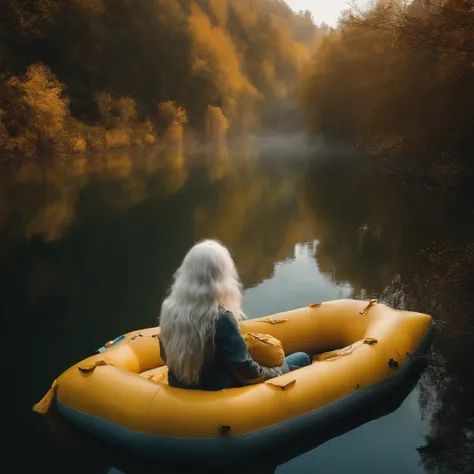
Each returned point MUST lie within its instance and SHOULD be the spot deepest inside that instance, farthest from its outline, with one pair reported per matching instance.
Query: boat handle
(91, 367)
(225, 430)
(393, 363)
(366, 309)
(274, 320)
(282, 386)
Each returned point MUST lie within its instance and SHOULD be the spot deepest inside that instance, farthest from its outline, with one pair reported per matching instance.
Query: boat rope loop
(366, 309)
(42, 407)
(141, 335)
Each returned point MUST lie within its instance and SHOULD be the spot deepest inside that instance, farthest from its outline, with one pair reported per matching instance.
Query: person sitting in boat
(200, 340)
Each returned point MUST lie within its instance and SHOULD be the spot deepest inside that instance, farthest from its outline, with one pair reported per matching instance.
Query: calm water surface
(88, 247)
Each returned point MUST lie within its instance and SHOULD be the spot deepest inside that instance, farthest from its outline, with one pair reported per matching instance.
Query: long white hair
(206, 279)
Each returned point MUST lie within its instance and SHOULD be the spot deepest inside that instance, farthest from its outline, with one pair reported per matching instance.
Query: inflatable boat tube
(89, 454)
(359, 348)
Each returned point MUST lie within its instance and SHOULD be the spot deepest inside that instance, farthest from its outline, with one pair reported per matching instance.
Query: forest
(394, 79)
(89, 75)
(397, 79)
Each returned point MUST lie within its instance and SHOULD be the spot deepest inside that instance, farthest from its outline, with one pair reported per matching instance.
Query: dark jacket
(228, 363)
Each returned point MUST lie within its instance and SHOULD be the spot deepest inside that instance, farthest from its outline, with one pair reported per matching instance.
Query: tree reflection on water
(411, 245)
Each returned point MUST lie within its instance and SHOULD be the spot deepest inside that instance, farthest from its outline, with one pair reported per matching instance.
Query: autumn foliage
(398, 77)
(87, 75)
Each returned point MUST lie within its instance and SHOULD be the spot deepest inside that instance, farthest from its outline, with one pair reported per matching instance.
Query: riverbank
(5, 159)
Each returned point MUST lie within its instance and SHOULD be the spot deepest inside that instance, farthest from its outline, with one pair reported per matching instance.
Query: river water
(88, 247)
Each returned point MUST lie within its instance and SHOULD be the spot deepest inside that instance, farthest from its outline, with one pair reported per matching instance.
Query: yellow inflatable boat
(361, 351)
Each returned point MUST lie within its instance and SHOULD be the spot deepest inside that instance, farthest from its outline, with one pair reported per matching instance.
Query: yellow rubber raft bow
(360, 349)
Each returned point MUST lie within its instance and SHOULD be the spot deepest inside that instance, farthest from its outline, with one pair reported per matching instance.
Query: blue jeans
(297, 360)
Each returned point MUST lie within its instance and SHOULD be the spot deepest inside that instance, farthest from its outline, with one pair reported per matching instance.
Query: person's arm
(231, 349)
